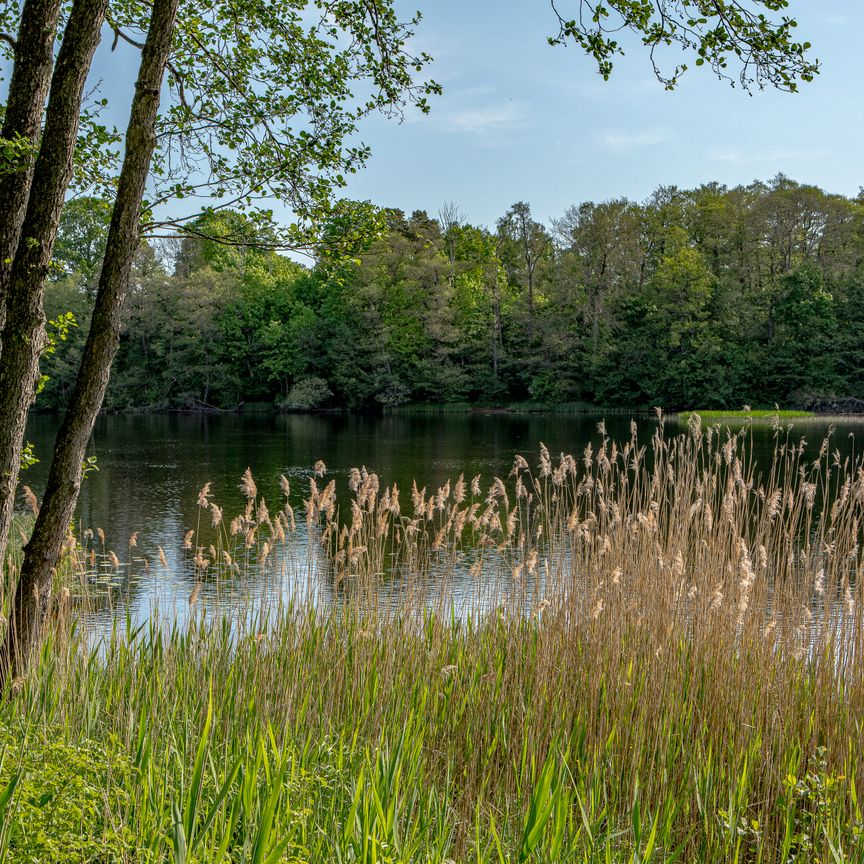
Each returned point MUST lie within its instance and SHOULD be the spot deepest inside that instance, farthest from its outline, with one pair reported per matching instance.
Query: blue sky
(520, 120)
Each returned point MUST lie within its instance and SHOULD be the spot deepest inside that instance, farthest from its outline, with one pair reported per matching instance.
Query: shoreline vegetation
(576, 408)
(710, 297)
(645, 652)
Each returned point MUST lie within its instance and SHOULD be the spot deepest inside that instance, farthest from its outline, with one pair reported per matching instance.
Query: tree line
(711, 297)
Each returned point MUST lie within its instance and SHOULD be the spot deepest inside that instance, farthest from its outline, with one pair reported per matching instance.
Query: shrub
(307, 393)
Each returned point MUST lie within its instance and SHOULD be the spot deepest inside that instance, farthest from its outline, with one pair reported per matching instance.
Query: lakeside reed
(649, 652)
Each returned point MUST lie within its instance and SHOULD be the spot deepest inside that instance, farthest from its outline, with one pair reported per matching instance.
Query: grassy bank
(655, 660)
(757, 416)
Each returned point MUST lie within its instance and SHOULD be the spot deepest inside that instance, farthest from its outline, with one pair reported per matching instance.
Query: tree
(479, 301)
(677, 306)
(450, 220)
(42, 551)
(33, 52)
(526, 245)
(81, 236)
(258, 81)
(718, 33)
(172, 351)
(24, 336)
(801, 363)
(601, 245)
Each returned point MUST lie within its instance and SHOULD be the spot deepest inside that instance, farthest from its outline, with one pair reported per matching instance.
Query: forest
(713, 297)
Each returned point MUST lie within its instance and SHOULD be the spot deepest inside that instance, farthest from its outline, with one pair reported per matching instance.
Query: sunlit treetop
(748, 43)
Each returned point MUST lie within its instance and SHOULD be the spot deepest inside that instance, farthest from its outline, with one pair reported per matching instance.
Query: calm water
(152, 467)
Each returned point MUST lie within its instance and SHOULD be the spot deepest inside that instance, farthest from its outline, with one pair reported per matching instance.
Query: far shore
(708, 416)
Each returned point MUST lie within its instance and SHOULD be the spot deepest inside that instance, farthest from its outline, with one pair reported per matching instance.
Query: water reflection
(151, 469)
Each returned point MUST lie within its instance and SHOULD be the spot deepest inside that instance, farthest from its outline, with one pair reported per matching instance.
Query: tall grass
(648, 652)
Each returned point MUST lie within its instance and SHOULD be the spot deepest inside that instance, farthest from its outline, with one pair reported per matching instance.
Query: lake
(152, 467)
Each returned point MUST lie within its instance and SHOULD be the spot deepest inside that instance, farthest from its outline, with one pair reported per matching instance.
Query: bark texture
(28, 88)
(64, 479)
(23, 336)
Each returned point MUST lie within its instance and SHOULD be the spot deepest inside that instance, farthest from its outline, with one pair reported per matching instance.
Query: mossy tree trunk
(22, 123)
(24, 337)
(61, 493)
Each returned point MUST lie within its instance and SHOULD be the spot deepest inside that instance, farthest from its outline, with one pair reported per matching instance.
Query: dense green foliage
(712, 297)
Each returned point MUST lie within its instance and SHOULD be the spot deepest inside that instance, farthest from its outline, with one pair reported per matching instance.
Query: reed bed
(649, 652)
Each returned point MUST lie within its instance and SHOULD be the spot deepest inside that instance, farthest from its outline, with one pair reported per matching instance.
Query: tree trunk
(496, 325)
(24, 329)
(64, 480)
(28, 88)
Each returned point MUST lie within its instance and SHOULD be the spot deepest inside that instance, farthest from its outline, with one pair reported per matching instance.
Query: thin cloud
(486, 119)
(732, 157)
(742, 160)
(478, 111)
(625, 142)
